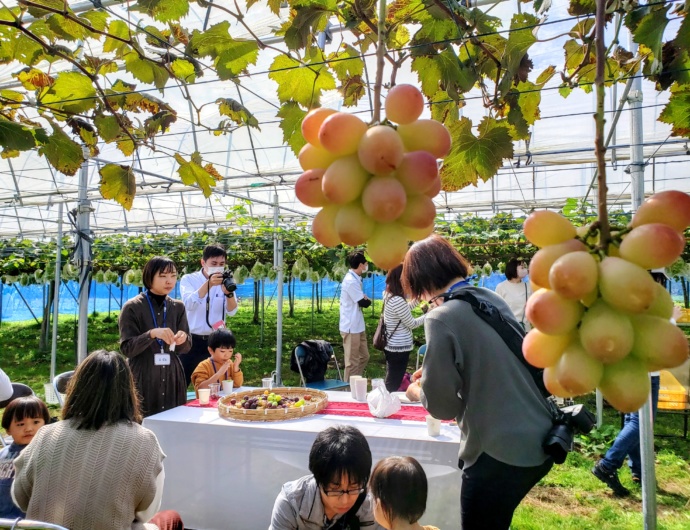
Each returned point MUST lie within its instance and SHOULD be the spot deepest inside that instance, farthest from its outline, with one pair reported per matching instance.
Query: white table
(225, 474)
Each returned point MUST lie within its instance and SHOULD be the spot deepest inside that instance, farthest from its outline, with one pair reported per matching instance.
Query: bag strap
(350, 521)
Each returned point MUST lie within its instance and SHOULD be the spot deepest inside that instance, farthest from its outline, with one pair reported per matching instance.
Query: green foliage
(117, 182)
(597, 442)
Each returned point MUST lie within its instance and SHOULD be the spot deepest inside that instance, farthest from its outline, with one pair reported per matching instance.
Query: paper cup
(433, 426)
(204, 396)
(354, 378)
(361, 389)
(267, 382)
(227, 386)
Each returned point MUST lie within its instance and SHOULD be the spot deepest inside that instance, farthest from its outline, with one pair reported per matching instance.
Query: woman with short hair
(98, 468)
(471, 375)
(153, 332)
(515, 291)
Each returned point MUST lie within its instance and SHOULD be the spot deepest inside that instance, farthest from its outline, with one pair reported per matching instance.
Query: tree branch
(600, 150)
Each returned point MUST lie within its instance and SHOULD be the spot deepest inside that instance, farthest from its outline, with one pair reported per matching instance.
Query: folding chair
(60, 385)
(28, 523)
(322, 384)
(420, 353)
(19, 390)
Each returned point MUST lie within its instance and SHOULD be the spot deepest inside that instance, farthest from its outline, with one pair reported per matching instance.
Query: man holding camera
(352, 329)
(208, 296)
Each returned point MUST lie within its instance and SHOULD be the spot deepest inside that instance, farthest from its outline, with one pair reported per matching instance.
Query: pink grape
(574, 275)
(662, 305)
(308, 188)
(552, 314)
(387, 246)
(435, 188)
(668, 207)
(419, 212)
(418, 172)
(312, 157)
(312, 123)
(344, 180)
(404, 104)
(380, 150)
(542, 350)
(606, 334)
(544, 227)
(417, 234)
(323, 226)
(426, 135)
(625, 384)
(552, 385)
(341, 132)
(625, 286)
(652, 245)
(353, 225)
(384, 199)
(658, 343)
(577, 372)
(540, 266)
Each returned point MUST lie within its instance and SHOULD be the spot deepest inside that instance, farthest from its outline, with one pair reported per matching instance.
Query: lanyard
(463, 282)
(216, 371)
(153, 315)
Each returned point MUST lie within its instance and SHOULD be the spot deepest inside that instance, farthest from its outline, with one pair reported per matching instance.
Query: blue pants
(627, 443)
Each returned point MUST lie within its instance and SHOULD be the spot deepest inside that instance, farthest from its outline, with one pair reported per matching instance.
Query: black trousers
(491, 491)
(396, 365)
(193, 357)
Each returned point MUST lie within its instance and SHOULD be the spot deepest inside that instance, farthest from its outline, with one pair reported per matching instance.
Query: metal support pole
(645, 419)
(84, 210)
(56, 297)
(278, 264)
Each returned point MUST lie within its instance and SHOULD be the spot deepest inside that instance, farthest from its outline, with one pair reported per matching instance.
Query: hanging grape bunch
(374, 185)
(600, 319)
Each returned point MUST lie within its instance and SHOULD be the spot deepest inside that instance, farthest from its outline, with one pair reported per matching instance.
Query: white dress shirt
(196, 307)
(351, 317)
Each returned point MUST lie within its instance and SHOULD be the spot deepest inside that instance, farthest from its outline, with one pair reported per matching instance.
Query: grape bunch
(374, 185)
(269, 400)
(600, 320)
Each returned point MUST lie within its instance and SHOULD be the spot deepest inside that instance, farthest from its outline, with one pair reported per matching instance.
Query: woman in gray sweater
(471, 375)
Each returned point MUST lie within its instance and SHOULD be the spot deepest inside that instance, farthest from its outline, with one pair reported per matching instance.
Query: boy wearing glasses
(334, 496)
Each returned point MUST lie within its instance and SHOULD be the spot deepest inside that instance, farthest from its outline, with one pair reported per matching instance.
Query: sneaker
(611, 480)
(637, 479)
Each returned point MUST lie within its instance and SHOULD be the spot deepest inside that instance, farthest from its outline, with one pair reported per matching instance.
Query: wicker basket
(319, 400)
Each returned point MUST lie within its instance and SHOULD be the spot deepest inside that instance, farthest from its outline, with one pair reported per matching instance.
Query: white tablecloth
(225, 474)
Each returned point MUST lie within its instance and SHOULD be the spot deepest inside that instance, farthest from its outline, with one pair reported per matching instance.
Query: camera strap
(208, 304)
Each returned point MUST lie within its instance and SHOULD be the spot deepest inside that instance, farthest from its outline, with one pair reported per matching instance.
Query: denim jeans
(627, 443)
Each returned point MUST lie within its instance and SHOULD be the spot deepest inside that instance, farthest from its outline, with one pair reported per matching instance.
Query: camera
(229, 282)
(567, 421)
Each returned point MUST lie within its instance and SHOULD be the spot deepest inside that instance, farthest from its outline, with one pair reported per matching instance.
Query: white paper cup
(354, 378)
(361, 389)
(204, 396)
(433, 426)
(376, 382)
(267, 382)
(227, 386)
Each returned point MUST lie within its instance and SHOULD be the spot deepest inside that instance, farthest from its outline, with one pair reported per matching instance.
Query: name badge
(219, 324)
(161, 359)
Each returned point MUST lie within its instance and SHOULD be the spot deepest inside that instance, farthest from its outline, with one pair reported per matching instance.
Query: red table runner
(406, 412)
(213, 403)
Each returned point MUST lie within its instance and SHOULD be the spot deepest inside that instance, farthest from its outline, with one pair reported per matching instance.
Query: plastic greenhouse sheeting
(256, 166)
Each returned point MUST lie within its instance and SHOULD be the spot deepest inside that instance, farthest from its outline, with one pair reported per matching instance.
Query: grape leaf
(108, 127)
(444, 71)
(473, 157)
(37, 12)
(647, 25)
(236, 57)
(66, 29)
(212, 42)
(306, 19)
(126, 146)
(97, 19)
(191, 173)
(162, 10)
(353, 89)
(146, 70)
(582, 7)
(71, 92)
(346, 63)
(183, 70)
(16, 136)
(291, 116)
(159, 122)
(519, 41)
(117, 28)
(677, 111)
(118, 182)
(237, 112)
(62, 152)
(300, 84)
(444, 109)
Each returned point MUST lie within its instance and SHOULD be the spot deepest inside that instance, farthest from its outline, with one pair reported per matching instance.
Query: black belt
(201, 337)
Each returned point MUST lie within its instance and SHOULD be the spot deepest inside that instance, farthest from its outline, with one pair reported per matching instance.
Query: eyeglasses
(434, 301)
(340, 493)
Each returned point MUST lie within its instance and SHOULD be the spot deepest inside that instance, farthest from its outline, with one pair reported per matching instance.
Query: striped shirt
(397, 312)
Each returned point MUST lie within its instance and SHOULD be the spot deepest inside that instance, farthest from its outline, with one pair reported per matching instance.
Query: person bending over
(220, 366)
(334, 496)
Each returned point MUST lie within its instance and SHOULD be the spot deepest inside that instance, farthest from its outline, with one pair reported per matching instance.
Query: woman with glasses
(335, 495)
(471, 375)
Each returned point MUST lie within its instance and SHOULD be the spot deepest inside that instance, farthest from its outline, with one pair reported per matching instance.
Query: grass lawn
(569, 498)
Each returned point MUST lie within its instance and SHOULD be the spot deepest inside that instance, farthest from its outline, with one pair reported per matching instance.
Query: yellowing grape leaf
(97, 19)
(146, 70)
(647, 25)
(66, 29)
(475, 157)
(303, 85)
(444, 109)
(117, 28)
(677, 111)
(108, 127)
(15, 136)
(346, 63)
(159, 122)
(126, 146)
(183, 70)
(33, 79)
(71, 92)
(309, 18)
(352, 90)
(62, 152)
(291, 116)
(191, 173)
(162, 10)
(236, 57)
(237, 112)
(118, 182)
(519, 41)
(582, 7)
(37, 12)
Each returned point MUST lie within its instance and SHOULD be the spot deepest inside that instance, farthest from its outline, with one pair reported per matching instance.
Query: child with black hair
(220, 366)
(399, 487)
(21, 420)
